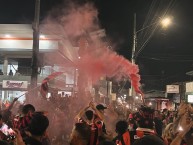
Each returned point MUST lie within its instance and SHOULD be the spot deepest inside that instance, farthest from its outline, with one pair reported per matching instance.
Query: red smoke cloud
(96, 61)
(105, 62)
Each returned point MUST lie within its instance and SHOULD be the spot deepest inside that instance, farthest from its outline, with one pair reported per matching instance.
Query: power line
(167, 59)
(145, 36)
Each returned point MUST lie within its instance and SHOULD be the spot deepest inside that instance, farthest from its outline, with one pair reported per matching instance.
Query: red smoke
(96, 61)
(104, 62)
(79, 19)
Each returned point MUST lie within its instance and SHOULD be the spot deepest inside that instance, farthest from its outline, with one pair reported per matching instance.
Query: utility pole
(133, 56)
(133, 49)
(35, 27)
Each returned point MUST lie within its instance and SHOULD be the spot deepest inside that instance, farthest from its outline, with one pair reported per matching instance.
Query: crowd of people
(144, 127)
(27, 127)
(69, 121)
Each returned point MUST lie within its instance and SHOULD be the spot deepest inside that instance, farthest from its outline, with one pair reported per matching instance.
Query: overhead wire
(145, 36)
(148, 21)
(168, 58)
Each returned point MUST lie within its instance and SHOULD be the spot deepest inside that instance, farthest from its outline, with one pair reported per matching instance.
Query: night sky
(166, 57)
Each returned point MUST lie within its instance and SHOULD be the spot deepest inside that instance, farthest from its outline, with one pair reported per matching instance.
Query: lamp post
(165, 22)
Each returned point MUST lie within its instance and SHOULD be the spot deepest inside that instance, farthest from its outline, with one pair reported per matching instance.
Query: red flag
(44, 86)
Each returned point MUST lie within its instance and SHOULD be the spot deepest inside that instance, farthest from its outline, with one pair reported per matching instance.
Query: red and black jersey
(97, 128)
(123, 139)
(22, 123)
(100, 123)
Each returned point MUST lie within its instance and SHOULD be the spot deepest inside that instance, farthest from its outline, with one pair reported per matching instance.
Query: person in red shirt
(24, 121)
(123, 136)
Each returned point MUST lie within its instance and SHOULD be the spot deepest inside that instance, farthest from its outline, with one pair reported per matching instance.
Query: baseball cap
(101, 107)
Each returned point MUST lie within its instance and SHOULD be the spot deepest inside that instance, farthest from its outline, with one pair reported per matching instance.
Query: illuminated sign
(172, 88)
(14, 84)
(190, 98)
(189, 87)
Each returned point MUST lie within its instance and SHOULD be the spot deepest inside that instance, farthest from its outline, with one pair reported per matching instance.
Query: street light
(165, 22)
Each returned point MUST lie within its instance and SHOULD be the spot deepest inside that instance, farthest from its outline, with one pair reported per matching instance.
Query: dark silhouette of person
(1, 73)
(123, 136)
(37, 127)
(11, 73)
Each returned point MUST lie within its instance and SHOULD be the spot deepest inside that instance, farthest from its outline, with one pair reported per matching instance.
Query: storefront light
(42, 36)
(7, 35)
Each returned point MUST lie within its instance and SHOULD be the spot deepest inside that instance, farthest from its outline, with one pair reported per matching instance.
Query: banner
(14, 84)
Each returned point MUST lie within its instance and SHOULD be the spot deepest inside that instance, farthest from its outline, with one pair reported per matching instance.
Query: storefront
(158, 103)
(12, 89)
(173, 94)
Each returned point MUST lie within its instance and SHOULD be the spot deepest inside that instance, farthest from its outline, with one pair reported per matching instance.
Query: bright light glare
(42, 36)
(166, 22)
(180, 128)
(7, 36)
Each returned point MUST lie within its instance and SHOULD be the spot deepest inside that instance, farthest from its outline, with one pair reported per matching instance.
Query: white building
(55, 54)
